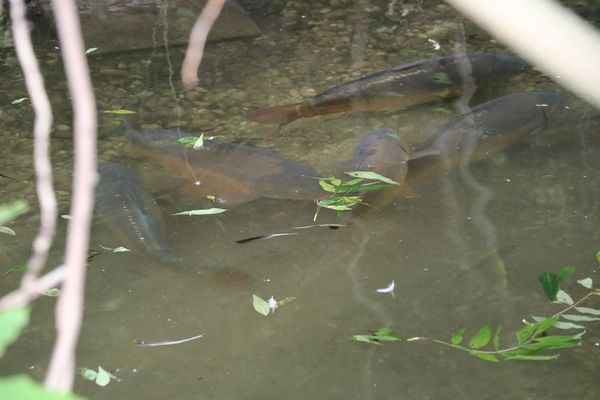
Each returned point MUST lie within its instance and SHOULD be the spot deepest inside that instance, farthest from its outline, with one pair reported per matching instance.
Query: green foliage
(534, 337)
(12, 323)
(378, 336)
(100, 377)
(260, 305)
(22, 387)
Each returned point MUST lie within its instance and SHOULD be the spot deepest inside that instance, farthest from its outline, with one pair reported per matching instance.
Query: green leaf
(563, 297)
(91, 50)
(88, 374)
(103, 377)
(538, 346)
(384, 332)
(363, 188)
(206, 211)
(372, 175)
(19, 267)
(496, 338)
(549, 282)
(54, 292)
(544, 325)
(7, 230)
(365, 339)
(567, 325)
(23, 387)
(586, 283)
(199, 144)
(481, 338)
(119, 112)
(587, 310)
(458, 337)
(261, 306)
(565, 272)
(598, 257)
(526, 357)
(555, 338)
(11, 323)
(19, 100)
(484, 356)
(12, 210)
(525, 333)
(187, 140)
(326, 186)
(579, 318)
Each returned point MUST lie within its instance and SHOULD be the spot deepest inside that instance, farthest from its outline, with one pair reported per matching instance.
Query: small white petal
(272, 303)
(389, 289)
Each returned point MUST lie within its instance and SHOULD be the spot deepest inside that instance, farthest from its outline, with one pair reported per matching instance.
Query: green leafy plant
(533, 340)
(346, 194)
(376, 337)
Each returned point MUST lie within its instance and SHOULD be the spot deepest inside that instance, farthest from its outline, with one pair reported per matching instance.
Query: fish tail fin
(276, 115)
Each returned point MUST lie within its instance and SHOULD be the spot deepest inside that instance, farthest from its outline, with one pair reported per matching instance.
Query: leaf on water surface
(598, 257)
(364, 339)
(587, 310)
(586, 283)
(544, 325)
(12, 210)
(579, 318)
(119, 112)
(326, 186)
(7, 230)
(199, 143)
(65, 216)
(496, 338)
(206, 211)
(458, 337)
(563, 297)
(88, 374)
(19, 267)
(481, 338)
(103, 377)
(549, 282)
(11, 323)
(525, 333)
(119, 249)
(372, 175)
(567, 325)
(54, 292)
(527, 357)
(261, 306)
(91, 50)
(565, 272)
(388, 289)
(484, 356)
(19, 101)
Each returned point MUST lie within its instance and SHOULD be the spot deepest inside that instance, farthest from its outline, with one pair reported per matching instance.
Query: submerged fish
(486, 130)
(131, 213)
(383, 152)
(399, 87)
(232, 173)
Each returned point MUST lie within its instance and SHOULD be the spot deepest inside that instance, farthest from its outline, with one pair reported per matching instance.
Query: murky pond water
(465, 250)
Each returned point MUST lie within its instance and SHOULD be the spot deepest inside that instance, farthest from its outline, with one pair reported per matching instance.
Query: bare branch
(547, 34)
(41, 150)
(33, 290)
(195, 49)
(69, 308)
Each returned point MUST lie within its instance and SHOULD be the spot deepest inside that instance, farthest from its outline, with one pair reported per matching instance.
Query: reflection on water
(466, 249)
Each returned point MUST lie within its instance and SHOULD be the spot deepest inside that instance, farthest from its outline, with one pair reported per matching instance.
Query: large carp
(399, 87)
(131, 213)
(487, 129)
(233, 173)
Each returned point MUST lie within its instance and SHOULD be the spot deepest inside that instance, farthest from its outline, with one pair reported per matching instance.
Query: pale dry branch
(25, 294)
(69, 308)
(41, 145)
(547, 34)
(195, 49)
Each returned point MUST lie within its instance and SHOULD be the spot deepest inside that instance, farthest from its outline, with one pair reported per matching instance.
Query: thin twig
(167, 342)
(41, 145)
(25, 294)
(195, 49)
(69, 308)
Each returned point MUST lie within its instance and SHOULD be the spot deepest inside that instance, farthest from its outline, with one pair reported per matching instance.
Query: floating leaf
(527, 357)
(587, 310)
(261, 306)
(544, 325)
(206, 211)
(496, 338)
(88, 374)
(119, 249)
(364, 339)
(66, 216)
(565, 272)
(586, 283)
(187, 140)
(457, 338)
(481, 338)
(119, 112)
(19, 267)
(12, 210)
(199, 143)
(598, 257)
(372, 175)
(484, 356)
(539, 346)
(579, 318)
(579, 335)
(54, 292)
(525, 333)
(549, 282)
(326, 186)
(563, 297)
(11, 323)
(380, 335)
(567, 325)
(19, 101)
(103, 377)
(91, 50)
(7, 230)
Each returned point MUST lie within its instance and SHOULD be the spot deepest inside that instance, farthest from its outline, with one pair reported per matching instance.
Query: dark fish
(232, 173)
(383, 152)
(488, 129)
(131, 213)
(399, 87)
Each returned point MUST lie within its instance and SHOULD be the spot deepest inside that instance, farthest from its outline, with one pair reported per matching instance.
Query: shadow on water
(464, 248)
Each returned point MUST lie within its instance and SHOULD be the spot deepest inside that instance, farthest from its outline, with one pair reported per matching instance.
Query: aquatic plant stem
(195, 49)
(69, 308)
(41, 144)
